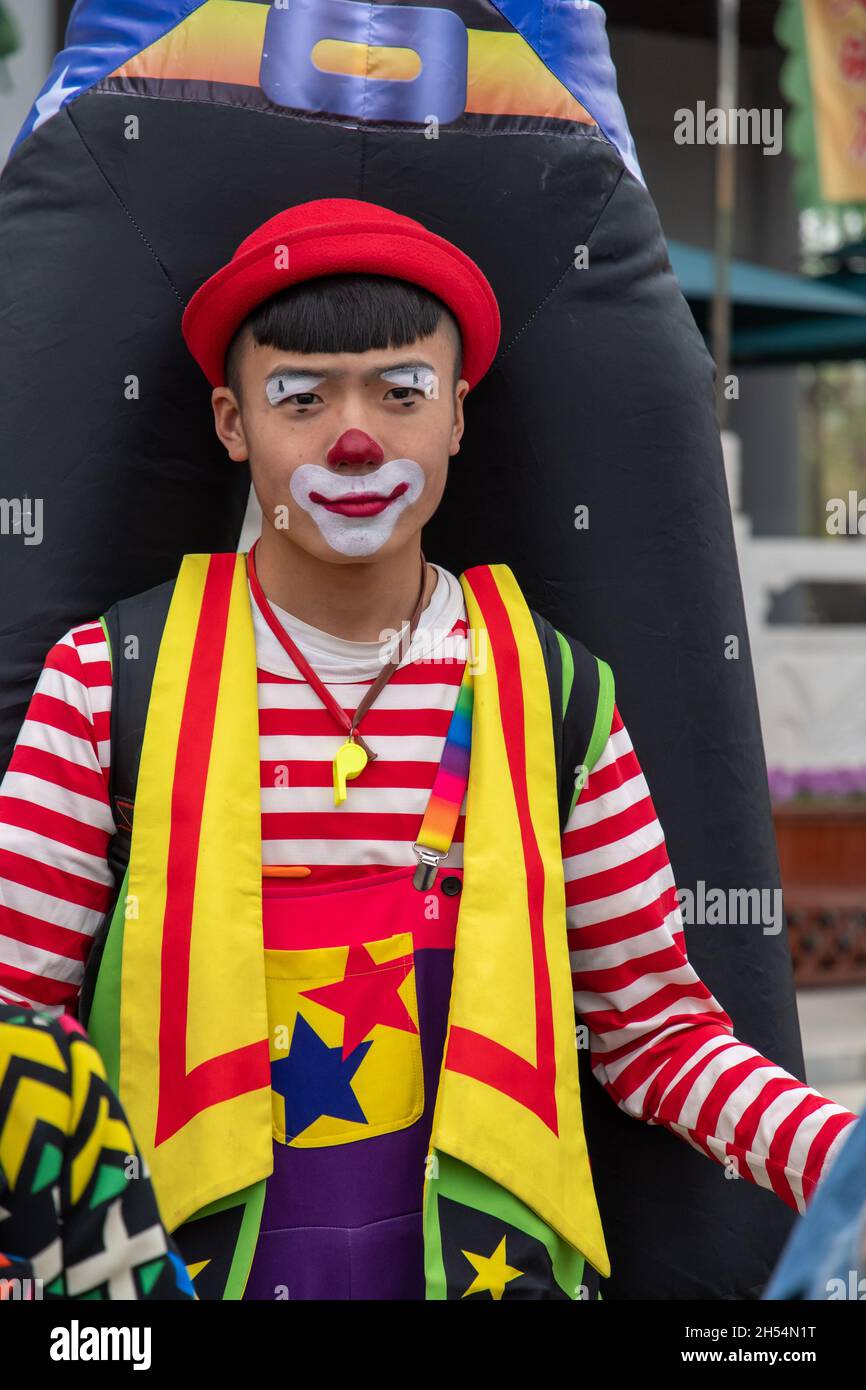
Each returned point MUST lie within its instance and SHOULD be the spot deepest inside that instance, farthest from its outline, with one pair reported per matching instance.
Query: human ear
(459, 423)
(229, 424)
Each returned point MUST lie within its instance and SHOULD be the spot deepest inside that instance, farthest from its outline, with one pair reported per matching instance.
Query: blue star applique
(314, 1080)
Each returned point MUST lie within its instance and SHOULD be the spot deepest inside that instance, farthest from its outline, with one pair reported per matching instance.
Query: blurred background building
(795, 414)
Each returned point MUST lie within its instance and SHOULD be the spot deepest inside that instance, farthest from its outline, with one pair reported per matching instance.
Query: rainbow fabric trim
(180, 1004)
(510, 1066)
(506, 60)
(449, 784)
(236, 44)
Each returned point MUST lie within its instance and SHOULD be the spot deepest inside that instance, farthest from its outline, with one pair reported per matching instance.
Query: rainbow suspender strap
(449, 788)
(508, 1185)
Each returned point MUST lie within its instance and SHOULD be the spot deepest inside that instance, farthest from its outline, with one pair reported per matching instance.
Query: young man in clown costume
(331, 848)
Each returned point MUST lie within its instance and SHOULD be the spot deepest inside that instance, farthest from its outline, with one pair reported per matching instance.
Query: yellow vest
(180, 1008)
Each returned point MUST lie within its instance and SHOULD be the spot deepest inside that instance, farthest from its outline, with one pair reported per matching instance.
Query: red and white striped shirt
(660, 1043)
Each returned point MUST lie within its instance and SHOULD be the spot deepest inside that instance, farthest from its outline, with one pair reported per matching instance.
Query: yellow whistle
(349, 761)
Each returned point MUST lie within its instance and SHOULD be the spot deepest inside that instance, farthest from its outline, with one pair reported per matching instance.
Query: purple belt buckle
(290, 78)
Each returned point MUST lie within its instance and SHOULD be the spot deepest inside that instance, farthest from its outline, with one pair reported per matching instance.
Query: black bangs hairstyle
(350, 312)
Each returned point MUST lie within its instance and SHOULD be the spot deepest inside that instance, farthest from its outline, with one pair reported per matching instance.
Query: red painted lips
(359, 503)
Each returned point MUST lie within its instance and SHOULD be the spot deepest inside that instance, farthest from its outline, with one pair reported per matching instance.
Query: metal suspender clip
(428, 862)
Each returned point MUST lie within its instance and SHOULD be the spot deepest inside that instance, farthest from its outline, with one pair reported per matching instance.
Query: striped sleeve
(660, 1044)
(55, 827)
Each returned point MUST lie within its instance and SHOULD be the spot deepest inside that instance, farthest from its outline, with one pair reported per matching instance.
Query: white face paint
(282, 385)
(289, 384)
(357, 535)
(424, 378)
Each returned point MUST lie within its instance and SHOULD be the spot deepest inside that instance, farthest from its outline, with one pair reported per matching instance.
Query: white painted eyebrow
(334, 373)
(422, 378)
(279, 385)
(424, 369)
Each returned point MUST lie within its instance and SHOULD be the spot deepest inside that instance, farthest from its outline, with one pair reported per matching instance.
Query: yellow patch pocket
(344, 1043)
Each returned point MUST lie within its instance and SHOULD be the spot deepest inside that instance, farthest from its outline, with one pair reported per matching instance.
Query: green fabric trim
(473, 1189)
(104, 626)
(252, 1198)
(601, 726)
(103, 1026)
(603, 714)
(434, 1265)
(103, 1022)
(149, 1273)
(567, 669)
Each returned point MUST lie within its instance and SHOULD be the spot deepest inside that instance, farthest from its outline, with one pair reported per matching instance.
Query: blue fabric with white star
(570, 39)
(100, 35)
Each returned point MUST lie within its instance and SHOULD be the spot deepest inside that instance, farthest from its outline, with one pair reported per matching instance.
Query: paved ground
(833, 1025)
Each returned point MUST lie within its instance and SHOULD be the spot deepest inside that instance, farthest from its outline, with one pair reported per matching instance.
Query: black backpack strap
(581, 702)
(133, 629)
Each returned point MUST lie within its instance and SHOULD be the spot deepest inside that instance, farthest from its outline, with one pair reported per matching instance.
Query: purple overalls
(359, 980)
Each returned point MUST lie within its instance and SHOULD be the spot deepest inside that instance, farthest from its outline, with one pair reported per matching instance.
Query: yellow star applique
(492, 1272)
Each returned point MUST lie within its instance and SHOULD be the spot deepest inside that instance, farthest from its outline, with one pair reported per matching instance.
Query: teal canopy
(776, 317)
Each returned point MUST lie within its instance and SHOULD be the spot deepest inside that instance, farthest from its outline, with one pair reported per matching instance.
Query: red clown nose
(355, 446)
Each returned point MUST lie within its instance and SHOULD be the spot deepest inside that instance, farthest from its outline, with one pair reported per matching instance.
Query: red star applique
(367, 995)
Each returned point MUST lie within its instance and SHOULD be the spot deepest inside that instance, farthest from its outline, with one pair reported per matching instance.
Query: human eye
(411, 382)
(292, 388)
(402, 393)
(303, 398)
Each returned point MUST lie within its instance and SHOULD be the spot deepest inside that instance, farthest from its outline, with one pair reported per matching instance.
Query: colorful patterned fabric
(323, 1004)
(510, 1061)
(482, 1243)
(649, 1017)
(78, 1216)
(510, 1066)
(468, 61)
(449, 786)
(194, 1069)
(343, 1219)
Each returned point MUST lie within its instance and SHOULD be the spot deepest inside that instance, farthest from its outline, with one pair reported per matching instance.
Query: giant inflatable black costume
(166, 129)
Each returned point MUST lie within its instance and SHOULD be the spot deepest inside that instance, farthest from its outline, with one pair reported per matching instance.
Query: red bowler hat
(326, 237)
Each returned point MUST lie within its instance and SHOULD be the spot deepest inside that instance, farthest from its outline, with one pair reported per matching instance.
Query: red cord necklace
(352, 756)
